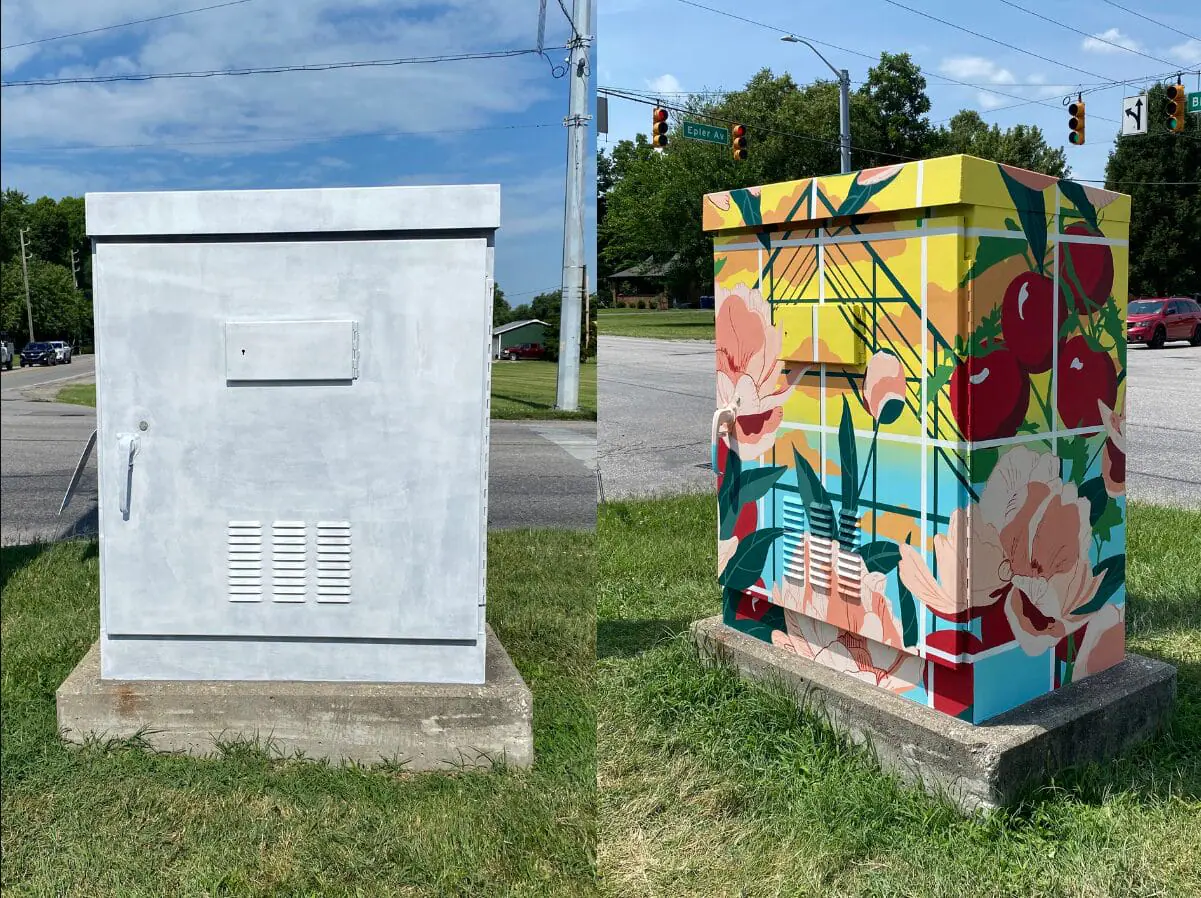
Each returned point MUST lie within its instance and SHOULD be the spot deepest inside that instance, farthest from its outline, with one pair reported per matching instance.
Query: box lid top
(945, 181)
(320, 210)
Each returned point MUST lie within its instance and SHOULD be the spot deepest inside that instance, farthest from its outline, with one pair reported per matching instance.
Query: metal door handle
(128, 444)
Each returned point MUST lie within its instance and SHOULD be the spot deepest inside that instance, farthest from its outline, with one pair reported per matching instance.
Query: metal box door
(293, 436)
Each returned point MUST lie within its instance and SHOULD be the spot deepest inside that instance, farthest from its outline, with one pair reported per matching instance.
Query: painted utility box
(920, 427)
(292, 390)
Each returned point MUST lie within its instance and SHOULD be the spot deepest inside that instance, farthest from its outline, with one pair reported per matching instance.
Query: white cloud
(978, 68)
(1113, 36)
(667, 84)
(1188, 53)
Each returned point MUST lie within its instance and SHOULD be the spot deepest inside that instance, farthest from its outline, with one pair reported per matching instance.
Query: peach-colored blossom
(884, 387)
(876, 175)
(720, 200)
(725, 551)
(749, 370)
(1113, 456)
(1104, 642)
(1032, 179)
(1044, 530)
(955, 594)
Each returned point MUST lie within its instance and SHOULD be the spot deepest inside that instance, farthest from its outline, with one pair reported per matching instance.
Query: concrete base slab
(427, 726)
(977, 767)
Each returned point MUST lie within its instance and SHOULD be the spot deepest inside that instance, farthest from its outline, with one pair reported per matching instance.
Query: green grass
(711, 787)
(527, 390)
(78, 394)
(519, 390)
(118, 821)
(673, 324)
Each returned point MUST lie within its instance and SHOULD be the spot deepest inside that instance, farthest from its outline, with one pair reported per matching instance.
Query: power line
(1137, 183)
(271, 70)
(170, 15)
(1152, 21)
(1094, 37)
(316, 138)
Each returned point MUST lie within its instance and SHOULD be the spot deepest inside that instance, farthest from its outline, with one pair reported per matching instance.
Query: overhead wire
(1151, 20)
(170, 15)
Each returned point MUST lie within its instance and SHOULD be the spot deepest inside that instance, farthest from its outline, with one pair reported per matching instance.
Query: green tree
(892, 113)
(1022, 145)
(60, 312)
(501, 313)
(1165, 217)
(548, 307)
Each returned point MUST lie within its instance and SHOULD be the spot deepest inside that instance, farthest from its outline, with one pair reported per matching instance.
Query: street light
(844, 100)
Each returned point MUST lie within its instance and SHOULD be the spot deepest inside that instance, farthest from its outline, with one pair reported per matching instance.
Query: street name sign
(1194, 101)
(707, 133)
(1134, 115)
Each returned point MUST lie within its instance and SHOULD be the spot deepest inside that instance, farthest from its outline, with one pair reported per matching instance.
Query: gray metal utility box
(292, 396)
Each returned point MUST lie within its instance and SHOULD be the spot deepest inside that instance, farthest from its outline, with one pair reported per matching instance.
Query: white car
(62, 351)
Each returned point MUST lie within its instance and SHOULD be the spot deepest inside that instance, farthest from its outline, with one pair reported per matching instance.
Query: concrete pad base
(976, 766)
(427, 726)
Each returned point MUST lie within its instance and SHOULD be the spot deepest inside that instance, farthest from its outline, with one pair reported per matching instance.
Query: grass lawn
(519, 390)
(710, 787)
(116, 821)
(673, 324)
(527, 390)
(78, 394)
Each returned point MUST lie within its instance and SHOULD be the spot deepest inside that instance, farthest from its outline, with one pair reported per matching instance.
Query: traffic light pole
(568, 394)
(844, 102)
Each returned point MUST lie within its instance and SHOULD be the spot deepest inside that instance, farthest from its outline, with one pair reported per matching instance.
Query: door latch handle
(128, 444)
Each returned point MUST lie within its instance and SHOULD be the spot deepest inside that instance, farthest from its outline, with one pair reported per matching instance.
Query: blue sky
(667, 45)
(257, 131)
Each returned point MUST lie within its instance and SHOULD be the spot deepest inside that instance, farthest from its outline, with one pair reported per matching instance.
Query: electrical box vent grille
(245, 561)
(793, 513)
(289, 561)
(333, 561)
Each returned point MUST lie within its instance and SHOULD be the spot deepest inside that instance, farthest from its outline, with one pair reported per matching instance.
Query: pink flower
(957, 597)
(1104, 642)
(749, 370)
(884, 387)
(1044, 531)
(1113, 456)
(876, 175)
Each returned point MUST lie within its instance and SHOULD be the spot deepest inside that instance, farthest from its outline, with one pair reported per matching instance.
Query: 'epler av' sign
(920, 429)
(293, 432)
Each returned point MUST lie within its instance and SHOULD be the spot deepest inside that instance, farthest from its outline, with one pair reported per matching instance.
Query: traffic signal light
(1076, 123)
(659, 127)
(738, 137)
(1176, 107)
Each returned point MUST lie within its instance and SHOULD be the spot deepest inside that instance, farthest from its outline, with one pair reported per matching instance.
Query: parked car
(38, 354)
(524, 351)
(6, 355)
(62, 351)
(1163, 320)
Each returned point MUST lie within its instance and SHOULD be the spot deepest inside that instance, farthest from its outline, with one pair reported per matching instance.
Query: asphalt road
(542, 474)
(656, 403)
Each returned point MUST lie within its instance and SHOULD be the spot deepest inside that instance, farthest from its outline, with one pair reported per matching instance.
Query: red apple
(1026, 320)
(1085, 375)
(1093, 264)
(989, 395)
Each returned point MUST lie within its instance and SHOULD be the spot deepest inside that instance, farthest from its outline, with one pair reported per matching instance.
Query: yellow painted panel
(829, 333)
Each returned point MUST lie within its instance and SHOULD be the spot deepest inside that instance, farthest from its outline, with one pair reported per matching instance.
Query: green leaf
(989, 252)
(728, 504)
(908, 616)
(772, 620)
(747, 564)
(1075, 452)
(748, 205)
(1078, 198)
(1110, 518)
(849, 459)
(1012, 225)
(859, 194)
(719, 262)
(1112, 572)
(809, 484)
(939, 379)
(1094, 491)
(1032, 213)
(754, 484)
(881, 556)
(982, 461)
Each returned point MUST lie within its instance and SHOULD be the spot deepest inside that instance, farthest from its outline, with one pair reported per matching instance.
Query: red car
(525, 351)
(1159, 321)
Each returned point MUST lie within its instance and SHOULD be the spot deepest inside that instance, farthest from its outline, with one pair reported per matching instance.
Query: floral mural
(945, 519)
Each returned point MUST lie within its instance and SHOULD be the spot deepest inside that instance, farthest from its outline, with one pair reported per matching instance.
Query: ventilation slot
(793, 513)
(245, 561)
(333, 561)
(289, 558)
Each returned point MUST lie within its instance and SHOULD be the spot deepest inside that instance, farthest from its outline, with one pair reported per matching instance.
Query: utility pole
(74, 269)
(25, 272)
(844, 101)
(568, 396)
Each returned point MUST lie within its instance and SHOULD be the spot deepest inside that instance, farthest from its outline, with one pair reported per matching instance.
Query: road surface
(542, 474)
(657, 397)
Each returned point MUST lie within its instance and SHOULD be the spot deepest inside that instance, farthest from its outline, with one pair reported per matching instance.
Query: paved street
(656, 403)
(543, 474)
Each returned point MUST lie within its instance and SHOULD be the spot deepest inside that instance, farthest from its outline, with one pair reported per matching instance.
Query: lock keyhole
(243, 352)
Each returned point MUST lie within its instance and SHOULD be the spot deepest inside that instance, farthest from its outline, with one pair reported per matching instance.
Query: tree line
(648, 204)
(546, 307)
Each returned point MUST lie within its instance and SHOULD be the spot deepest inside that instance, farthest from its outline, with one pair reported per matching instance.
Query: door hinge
(354, 351)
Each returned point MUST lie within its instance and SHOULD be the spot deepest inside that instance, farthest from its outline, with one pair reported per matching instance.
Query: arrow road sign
(707, 133)
(1134, 115)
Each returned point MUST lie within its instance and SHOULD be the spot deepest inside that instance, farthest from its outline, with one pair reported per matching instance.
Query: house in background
(515, 333)
(641, 286)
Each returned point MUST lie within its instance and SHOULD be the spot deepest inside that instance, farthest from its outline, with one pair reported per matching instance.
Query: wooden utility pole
(25, 272)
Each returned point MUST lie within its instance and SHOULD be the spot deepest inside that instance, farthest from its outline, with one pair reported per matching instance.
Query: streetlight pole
(844, 101)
